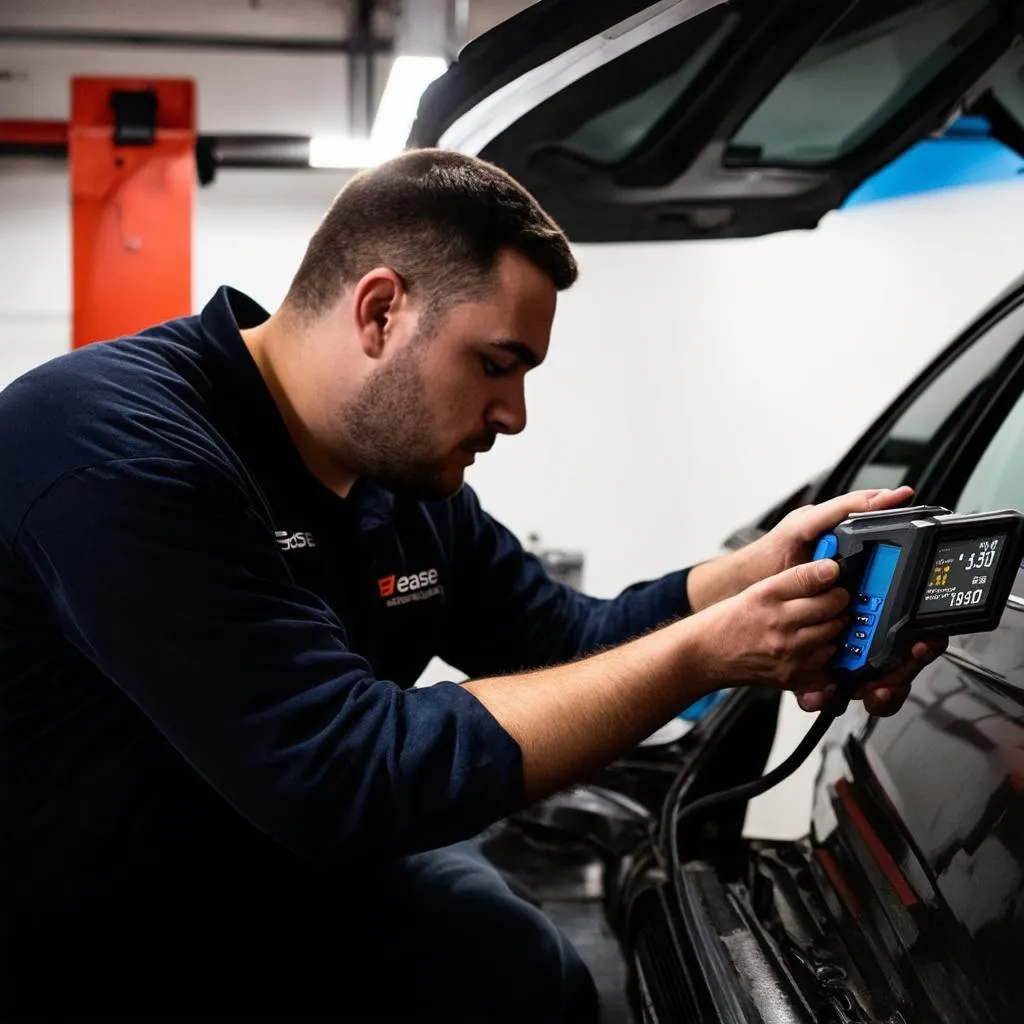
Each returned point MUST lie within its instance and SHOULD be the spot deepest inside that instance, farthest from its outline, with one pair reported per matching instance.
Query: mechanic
(228, 548)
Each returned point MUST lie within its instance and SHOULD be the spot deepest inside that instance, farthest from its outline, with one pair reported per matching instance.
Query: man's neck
(266, 346)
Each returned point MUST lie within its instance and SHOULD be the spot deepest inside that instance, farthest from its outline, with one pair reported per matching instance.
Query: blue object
(868, 604)
(699, 708)
(966, 155)
(827, 547)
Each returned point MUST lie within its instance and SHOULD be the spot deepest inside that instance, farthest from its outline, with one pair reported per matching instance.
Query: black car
(695, 119)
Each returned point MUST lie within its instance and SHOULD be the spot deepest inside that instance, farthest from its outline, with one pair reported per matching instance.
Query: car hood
(690, 119)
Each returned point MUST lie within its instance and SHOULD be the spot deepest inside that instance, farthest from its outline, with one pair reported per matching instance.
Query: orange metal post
(131, 150)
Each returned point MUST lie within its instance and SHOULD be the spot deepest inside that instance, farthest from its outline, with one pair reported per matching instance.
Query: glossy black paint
(942, 785)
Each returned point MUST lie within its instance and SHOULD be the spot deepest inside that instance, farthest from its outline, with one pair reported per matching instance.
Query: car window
(821, 110)
(870, 65)
(919, 435)
(617, 131)
(998, 479)
(1008, 88)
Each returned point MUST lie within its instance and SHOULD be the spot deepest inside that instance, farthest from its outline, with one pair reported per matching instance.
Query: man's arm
(572, 720)
(721, 578)
(164, 576)
(161, 574)
(508, 614)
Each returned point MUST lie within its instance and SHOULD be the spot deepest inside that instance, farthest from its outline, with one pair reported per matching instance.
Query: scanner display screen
(962, 574)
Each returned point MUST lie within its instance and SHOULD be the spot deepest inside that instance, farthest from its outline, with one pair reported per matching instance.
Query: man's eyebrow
(522, 351)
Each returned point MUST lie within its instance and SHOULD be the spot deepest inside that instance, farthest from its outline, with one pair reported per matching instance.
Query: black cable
(828, 714)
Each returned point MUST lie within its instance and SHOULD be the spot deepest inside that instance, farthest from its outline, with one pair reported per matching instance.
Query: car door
(690, 119)
(939, 785)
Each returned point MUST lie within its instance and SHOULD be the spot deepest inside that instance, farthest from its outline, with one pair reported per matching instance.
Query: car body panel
(943, 782)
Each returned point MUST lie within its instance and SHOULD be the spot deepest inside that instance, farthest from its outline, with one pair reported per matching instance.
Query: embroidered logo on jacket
(293, 541)
(418, 586)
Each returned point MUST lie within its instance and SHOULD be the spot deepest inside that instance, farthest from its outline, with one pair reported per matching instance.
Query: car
(904, 900)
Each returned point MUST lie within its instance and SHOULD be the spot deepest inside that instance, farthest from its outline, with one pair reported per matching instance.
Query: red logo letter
(387, 586)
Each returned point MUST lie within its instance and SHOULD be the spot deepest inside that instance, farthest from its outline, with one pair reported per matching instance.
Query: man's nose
(508, 415)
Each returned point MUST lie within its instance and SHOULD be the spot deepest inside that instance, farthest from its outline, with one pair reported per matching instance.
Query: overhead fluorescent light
(397, 110)
(395, 115)
(340, 152)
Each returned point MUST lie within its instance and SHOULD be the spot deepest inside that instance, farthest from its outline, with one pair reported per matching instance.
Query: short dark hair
(438, 219)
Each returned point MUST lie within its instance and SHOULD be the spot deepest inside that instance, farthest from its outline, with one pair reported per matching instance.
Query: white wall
(249, 230)
(690, 387)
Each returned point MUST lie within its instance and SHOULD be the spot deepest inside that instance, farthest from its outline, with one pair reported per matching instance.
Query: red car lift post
(131, 146)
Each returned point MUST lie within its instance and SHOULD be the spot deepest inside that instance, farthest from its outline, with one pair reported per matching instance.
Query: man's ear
(375, 300)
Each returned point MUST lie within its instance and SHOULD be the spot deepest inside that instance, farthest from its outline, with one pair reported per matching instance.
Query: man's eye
(493, 369)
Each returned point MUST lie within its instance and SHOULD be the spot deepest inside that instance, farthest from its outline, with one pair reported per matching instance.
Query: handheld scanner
(918, 572)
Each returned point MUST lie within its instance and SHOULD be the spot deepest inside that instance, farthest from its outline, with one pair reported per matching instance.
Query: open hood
(685, 119)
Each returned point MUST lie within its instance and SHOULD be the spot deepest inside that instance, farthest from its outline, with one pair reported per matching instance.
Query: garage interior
(713, 377)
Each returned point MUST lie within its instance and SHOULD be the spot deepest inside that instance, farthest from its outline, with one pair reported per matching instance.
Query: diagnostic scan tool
(911, 573)
(919, 572)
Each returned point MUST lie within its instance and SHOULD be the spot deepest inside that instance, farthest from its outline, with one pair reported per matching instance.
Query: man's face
(436, 402)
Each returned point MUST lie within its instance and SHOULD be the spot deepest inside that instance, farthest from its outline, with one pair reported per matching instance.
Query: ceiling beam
(361, 44)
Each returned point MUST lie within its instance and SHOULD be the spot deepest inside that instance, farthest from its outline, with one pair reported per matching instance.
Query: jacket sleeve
(168, 580)
(510, 615)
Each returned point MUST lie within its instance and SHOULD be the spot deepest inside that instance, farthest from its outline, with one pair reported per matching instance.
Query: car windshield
(877, 57)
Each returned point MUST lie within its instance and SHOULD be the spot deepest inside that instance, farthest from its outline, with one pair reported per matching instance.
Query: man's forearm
(714, 581)
(571, 720)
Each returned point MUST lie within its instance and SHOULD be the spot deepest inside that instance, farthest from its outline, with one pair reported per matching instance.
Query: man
(229, 546)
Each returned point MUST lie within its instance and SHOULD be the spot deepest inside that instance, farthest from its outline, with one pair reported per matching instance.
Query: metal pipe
(259, 151)
(102, 37)
(360, 73)
(213, 152)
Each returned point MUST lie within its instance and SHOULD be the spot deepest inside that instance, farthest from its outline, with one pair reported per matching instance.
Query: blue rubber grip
(827, 547)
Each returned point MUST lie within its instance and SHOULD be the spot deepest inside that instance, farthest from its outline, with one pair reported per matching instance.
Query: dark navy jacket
(206, 656)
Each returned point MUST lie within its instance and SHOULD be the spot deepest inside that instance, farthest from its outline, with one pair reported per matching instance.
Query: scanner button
(827, 547)
(864, 620)
(860, 635)
(875, 603)
(854, 649)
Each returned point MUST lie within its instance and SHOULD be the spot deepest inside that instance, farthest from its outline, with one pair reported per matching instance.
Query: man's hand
(793, 540)
(781, 631)
(784, 630)
(783, 551)
(789, 544)
(882, 697)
